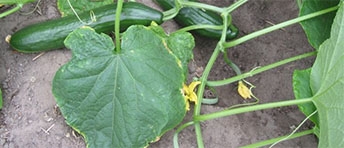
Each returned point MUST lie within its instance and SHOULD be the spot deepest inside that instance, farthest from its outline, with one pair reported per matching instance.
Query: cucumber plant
(120, 100)
(18, 5)
(129, 93)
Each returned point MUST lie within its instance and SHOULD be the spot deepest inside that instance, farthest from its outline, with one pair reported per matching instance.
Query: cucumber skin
(188, 16)
(51, 34)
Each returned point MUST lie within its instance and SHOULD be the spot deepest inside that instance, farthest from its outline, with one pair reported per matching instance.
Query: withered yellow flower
(189, 94)
(244, 91)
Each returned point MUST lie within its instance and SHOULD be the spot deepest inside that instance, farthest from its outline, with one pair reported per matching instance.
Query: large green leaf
(327, 82)
(302, 90)
(180, 45)
(317, 29)
(125, 99)
(80, 5)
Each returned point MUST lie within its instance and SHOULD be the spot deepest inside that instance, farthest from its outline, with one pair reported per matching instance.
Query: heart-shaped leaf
(180, 44)
(125, 99)
(327, 82)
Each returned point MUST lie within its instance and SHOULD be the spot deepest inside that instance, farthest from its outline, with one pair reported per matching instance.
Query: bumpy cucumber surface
(51, 34)
(193, 16)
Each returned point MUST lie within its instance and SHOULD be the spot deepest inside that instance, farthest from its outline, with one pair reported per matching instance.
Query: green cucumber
(51, 34)
(188, 16)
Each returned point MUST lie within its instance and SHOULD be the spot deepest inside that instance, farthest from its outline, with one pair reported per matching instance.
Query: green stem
(259, 70)
(194, 27)
(271, 141)
(250, 108)
(169, 14)
(199, 137)
(16, 8)
(236, 5)
(204, 79)
(200, 92)
(299, 3)
(117, 25)
(278, 26)
(175, 136)
(201, 5)
(231, 64)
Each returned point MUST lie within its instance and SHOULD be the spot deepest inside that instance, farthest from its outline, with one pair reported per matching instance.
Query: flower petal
(244, 91)
(193, 85)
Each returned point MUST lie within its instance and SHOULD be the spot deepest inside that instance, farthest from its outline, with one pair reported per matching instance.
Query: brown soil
(31, 119)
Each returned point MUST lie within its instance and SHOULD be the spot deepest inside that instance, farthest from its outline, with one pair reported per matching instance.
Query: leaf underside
(317, 29)
(120, 100)
(302, 90)
(327, 83)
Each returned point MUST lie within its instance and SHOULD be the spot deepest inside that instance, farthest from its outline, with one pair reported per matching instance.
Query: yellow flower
(189, 94)
(244, 91)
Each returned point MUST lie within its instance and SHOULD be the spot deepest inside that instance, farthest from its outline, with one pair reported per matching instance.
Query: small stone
(68, 135)
(33, 79)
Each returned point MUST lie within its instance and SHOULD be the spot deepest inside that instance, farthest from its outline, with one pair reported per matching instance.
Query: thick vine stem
(117, 25)
(204, 79)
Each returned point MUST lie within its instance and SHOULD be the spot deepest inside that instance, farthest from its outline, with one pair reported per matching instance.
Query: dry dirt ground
(31, 119)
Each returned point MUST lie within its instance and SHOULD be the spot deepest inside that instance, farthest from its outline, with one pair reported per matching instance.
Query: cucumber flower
(244, 91)
(189, 94)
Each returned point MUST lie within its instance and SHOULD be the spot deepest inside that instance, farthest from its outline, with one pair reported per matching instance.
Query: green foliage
(302, 90)
(130, 97)
(121, 100)
(327, 83)
(317, 29)
(181, 45)
(79, 5)
(10, 2)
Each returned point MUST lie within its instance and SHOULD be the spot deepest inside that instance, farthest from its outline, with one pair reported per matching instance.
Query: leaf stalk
(250, 108)
(278, 26)
(117, 25)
